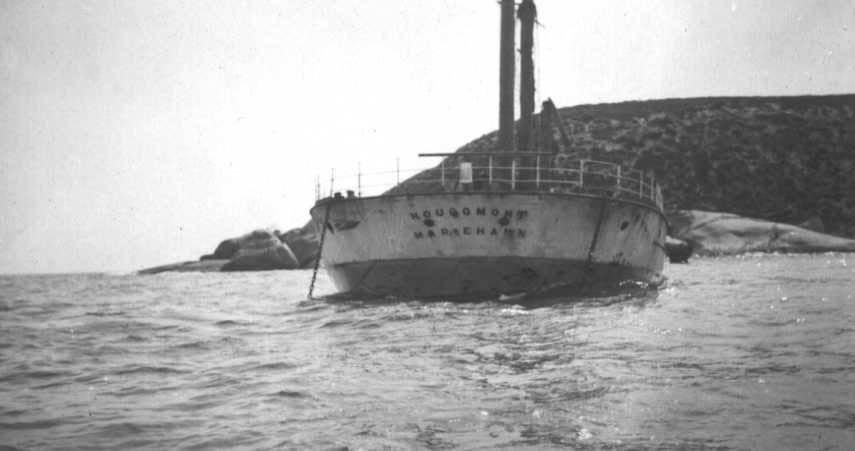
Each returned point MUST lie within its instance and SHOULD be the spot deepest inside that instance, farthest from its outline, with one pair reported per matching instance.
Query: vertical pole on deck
(332, 180)
(490, 169)
(581, 173)
(507, 73)
(359, 179)
(442, 172)
(527, 14)
(618, 180)
(641, 184)
(513, 174)
(537, 172)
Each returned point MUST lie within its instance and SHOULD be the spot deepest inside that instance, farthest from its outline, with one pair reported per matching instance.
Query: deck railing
(500, 174)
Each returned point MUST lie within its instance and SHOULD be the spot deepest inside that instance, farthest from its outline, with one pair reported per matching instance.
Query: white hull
(466, 244)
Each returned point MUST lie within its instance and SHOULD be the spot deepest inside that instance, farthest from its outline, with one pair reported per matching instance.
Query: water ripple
(733, 353)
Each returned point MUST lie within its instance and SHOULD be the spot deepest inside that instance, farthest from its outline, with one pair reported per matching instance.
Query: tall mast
(507, 74)
(527, 14)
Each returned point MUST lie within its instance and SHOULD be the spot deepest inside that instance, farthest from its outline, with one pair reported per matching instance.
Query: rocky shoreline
(259, 250)
(692, 233)
(710, 233)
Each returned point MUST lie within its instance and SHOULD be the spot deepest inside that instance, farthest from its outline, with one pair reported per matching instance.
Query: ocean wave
(145, 369)
(181, 362)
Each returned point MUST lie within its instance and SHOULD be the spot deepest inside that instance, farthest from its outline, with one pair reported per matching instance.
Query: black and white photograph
(427, 225)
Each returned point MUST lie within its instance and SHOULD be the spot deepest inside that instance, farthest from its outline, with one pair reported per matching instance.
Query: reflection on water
(750, 352)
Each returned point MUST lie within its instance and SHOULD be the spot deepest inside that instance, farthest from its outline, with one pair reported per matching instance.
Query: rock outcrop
(225, 250)
(274, 257)
(207, 265)
(305, 243)
(714, 233)
(678, 251)
(258, 250)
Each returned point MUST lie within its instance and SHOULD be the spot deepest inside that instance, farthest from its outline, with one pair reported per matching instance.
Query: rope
(320, 250)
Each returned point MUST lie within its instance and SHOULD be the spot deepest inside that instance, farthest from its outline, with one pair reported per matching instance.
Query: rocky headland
(769, 162)
(713, 233)
(258, 250)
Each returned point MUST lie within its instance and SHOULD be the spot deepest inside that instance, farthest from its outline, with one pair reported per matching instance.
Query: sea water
(751, 352)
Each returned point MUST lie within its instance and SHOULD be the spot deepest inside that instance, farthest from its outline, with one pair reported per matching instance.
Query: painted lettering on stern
(465, 212)
(456, 232)
(470, 222)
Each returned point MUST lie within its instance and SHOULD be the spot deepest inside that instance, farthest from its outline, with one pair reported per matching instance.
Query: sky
(137, 133)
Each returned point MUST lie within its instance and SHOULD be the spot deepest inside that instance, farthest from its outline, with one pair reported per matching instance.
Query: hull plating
(487, 243)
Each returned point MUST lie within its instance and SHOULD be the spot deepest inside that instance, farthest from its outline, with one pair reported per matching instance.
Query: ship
(521, 219)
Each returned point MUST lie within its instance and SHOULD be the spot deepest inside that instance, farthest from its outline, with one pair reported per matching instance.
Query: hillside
(784, 159)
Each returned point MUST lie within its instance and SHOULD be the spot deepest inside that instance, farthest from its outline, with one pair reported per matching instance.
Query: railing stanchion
(332, 180)
(358, 179)
(653, 186)
(617, 187)
(442, 172)
(537, 172)
(490, 170)
(513, 174)
(581, 173)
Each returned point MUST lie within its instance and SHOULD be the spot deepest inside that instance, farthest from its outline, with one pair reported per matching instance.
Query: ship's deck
(503, 172)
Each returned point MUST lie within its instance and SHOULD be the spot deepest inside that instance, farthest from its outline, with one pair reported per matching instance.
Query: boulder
(678, 251)
(278, 256)
(304, 242)
(226, 249)
(257, 239)
(258, 250)
(715, 233)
